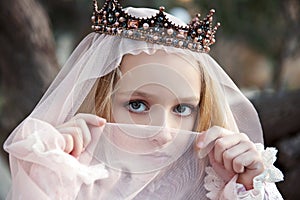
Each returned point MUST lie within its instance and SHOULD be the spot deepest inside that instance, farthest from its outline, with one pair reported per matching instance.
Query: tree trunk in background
(280, 118)
(27, 60)
(279, 114)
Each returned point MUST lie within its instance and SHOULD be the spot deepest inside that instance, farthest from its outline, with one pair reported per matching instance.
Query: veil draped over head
(42, 170)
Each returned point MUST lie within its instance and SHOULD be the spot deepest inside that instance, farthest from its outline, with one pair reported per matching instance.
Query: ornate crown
(113, 20)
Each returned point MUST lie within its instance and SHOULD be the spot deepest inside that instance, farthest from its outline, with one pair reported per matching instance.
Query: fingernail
(102, 121)
(200, 144)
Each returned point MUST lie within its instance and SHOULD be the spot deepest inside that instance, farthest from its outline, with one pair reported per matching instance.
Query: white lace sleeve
(271, 173)
(213, 184)
(263, 184)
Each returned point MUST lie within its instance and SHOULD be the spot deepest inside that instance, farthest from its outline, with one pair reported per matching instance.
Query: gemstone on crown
(197, 36)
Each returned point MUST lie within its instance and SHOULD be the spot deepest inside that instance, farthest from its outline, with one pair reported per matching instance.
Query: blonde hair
(210, 112)
(103, 95)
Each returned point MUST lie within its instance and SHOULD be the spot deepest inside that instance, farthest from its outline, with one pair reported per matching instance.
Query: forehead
(160, 57)
(177, 74)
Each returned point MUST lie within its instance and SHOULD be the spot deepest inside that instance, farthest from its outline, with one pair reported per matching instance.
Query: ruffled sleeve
(263, 185)
(41, 169)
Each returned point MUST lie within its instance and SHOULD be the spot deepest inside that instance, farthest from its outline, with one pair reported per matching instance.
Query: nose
(163, 137)
(160, 116)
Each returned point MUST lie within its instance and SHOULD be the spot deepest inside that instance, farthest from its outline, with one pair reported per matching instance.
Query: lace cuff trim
(216, 186)
(271, 173)
(213, 184)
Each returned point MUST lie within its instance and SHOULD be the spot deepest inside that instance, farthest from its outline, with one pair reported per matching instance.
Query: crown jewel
(197, 36)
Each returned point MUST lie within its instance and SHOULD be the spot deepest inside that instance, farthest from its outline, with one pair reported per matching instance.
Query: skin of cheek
(123, 115)
(153, 82)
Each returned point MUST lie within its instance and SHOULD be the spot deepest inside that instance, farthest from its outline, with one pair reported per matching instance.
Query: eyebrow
(137, 93)
(149, 96)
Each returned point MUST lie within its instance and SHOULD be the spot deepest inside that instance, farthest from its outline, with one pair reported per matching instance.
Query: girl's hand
(235, 153)
(77, 134)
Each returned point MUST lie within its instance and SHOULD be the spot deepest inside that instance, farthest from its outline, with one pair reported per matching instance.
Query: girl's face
(159, 90)
(163, 91)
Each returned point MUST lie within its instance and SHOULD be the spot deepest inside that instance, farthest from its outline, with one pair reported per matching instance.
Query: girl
(128, 119)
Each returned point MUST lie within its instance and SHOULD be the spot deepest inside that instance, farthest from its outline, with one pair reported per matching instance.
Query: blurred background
(258, 44)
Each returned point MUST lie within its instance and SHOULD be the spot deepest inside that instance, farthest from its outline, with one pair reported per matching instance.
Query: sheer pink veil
(41, 170)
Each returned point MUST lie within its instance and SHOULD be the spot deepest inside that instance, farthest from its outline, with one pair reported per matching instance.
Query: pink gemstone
(133, 24)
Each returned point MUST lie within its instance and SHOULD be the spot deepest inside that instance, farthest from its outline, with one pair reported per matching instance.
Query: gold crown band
(197, 36)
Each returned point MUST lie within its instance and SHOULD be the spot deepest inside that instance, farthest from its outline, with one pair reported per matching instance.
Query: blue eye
(183, 110)
(137, 106)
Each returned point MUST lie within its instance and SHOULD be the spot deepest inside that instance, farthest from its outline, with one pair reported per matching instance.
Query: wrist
(248, 184)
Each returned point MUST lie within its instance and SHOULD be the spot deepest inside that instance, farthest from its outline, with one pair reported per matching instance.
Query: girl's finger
(205, 141)
(86, 134)
(69, 143)
(224, 143)
(230, 154)
(244, 160)
(248, 165)
(77, 137)
(91, 119)
(211, 135)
